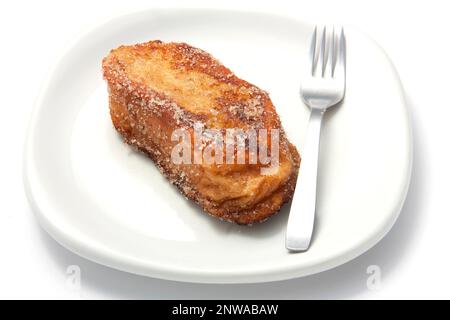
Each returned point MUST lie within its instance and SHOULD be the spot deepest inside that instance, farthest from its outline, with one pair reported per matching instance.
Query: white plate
(102, 200)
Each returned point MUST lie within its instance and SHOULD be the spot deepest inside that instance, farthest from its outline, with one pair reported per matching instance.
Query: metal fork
(323, 87)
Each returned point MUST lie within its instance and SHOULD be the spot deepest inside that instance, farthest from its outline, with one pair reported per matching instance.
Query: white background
(413, 257)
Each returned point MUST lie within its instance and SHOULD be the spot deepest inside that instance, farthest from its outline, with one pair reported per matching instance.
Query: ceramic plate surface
(108, 203)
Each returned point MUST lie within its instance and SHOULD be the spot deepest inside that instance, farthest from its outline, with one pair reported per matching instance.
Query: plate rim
(110, 258)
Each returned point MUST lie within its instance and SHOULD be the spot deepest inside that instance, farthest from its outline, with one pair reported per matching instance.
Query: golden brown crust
(156, 88)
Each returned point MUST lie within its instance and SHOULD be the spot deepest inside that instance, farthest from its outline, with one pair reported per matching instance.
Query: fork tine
(329, 67)
(339, 71)
(312, 51)
(321, 63)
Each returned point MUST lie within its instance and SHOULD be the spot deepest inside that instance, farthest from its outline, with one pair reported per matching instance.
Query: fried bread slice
(156, 88)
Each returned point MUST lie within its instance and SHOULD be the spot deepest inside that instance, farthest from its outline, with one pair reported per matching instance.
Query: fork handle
(303, 207)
